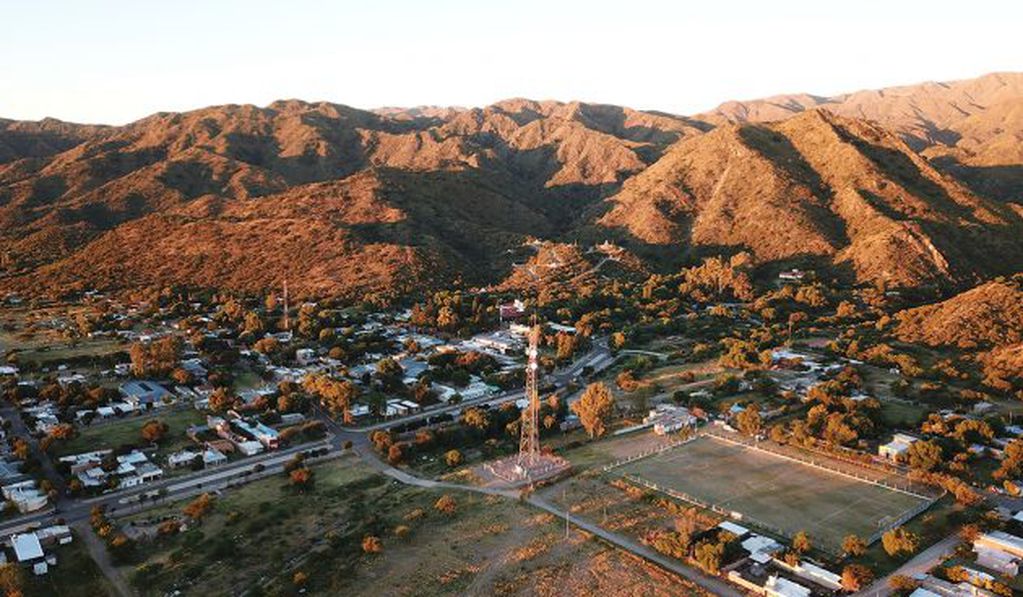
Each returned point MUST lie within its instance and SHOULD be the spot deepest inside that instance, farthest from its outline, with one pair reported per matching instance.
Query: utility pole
(564, 492)
(287, 317)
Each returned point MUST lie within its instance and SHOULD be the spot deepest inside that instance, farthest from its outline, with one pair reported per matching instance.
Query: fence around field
(884, 525)
(648, 453)
(685, 497)
(825, 464)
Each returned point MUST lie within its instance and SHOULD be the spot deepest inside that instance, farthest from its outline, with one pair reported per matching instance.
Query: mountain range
(918, 186)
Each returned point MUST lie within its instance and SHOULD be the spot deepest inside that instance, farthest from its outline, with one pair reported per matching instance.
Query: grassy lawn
(931, 526)
(75, 574)
(104, 435)
(900, 415)
(247, 380)
(56, 353)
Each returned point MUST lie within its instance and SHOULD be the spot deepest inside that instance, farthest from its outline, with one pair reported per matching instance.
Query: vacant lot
(112, 434)
(260, 536)
(773, 490)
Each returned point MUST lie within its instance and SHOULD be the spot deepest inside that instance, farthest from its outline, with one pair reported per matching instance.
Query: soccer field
(773, 490)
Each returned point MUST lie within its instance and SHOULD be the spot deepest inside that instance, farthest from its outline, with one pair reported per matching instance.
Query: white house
(182, 458)
(778, 586)
(897, 448)
(29, 552)
(999, 551)
(213, 457)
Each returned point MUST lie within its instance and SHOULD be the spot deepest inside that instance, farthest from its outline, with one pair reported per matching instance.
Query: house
(412, 369)
(267, 436)
(792, 275)
(731, 527)
(105, 412)
(477, 389)
(84, 461)
(779, 586)
(213, 457)
(195, 367)
(29, 553)
(667, 418)
(930, 585)
(182, 458)
(359, 410)
(501, 342)
(512, 310)
(54, 535)
(305, 356)
(395, 408)
(761, 549)
(817, 575)
(999, 551)
(249, 448)
(292, 418)
(896, 449)
(144, 394)
(26, 496)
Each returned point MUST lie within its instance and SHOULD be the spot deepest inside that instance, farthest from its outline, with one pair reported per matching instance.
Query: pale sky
(115, 61)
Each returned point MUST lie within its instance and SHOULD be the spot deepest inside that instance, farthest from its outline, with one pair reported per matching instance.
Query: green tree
(801, 542)
(595, 408)
(856, 577)
(924, 455)
(748, 421)
(899, 540)
(853, 546)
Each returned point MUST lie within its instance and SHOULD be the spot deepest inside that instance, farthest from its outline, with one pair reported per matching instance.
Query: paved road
(921, 563)
(175, 488)
(598, 357)
(76, 512)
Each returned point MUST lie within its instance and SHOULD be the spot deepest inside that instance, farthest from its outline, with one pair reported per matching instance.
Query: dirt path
(98, 552)
(715, 585)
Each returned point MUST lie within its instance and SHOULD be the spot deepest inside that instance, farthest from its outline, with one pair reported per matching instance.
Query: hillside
(127, 205)
(924, 114)
(394, 199)
(836, 190)
(990, 315)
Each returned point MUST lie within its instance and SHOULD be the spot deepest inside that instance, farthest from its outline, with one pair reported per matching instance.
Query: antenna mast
(529, 441)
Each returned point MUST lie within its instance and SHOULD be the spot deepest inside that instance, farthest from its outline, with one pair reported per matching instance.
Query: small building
(26, 496)
(513, 310)
(144, 394)
(999, 551)
(213, 457)
(735, 529)
(249, 448)
(358, 411)
(182, 458)
(779, 586)
(792, 275)
(498, 342)
(896, 449)
(28, 552)
(292, 418)
(305, 356)
(54, 535)
(267, 436)
(563, 329)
